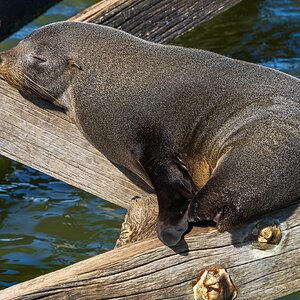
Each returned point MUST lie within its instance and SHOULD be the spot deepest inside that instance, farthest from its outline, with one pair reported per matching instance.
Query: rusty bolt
(214, 284)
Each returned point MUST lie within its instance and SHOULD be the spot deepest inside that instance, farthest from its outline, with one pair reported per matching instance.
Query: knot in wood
(270, 234)
(266, 234)
(214, 284)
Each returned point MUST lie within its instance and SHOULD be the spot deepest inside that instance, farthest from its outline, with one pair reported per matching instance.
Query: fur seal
(217, 138)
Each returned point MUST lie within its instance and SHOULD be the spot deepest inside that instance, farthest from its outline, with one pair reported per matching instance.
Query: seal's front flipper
(171, 234)
(174, 188)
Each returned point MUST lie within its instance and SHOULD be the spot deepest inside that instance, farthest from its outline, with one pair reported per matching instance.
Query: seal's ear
(73, 64)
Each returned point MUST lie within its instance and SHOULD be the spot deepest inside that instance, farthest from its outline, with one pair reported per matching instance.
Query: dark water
(46, 224)
(264, 32)
(59, 12)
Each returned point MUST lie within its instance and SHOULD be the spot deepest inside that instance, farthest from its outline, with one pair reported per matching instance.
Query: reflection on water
(265, 32)
(46, 224)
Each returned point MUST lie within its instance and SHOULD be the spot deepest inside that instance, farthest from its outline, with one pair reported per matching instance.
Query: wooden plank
(47, 141)
(154, 20)
(150, 270)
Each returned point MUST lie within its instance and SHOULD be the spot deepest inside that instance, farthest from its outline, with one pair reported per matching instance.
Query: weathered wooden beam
(258, 267)
(47, 141)
(140, 220)
(154, 20)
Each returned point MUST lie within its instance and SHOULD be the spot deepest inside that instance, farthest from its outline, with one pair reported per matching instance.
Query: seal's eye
(40, 59)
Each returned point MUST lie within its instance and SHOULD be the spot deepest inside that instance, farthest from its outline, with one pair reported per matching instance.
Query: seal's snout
(169, 234)
(1, 63)
(3, 59)
(6, 56)
(7, 64)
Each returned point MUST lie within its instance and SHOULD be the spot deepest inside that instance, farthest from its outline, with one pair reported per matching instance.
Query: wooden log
(140, 220)
(150, 270)
(154, 20)
(47, 141)
(14, 14)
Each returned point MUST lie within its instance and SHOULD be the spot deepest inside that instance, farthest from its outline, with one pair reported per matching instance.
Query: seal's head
(41, 65)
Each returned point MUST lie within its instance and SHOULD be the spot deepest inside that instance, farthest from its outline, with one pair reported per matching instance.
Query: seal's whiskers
(37, 87)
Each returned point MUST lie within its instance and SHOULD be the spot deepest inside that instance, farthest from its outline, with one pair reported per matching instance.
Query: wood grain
(140, 220)
(150, 270)
(154, 20)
